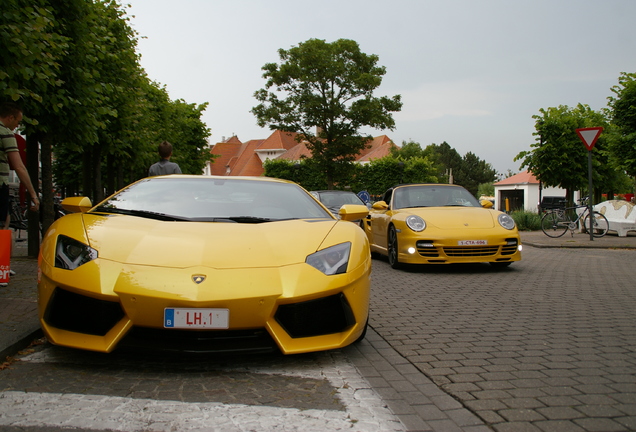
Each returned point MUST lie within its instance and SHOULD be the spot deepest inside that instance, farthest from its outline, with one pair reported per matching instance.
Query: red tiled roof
(241, 158)
(280, 140)
(524, 177)
(225, 151)
(245, 160)
(296, 153)
(379, 147)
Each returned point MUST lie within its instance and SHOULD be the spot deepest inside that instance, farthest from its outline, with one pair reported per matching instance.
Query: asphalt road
(547, 344)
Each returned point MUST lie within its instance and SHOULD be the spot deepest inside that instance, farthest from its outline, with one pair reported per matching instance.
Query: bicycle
(556, 222)
(18, 215)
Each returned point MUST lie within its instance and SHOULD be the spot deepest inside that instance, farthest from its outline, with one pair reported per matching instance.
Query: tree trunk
(33, 166)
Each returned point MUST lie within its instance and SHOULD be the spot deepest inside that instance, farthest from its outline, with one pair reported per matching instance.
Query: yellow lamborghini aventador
(205, 263)
(440, 224)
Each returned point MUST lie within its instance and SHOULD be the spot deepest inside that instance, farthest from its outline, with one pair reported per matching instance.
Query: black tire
(554, 224)
(364, 332)
(392, 248)
(600, 225)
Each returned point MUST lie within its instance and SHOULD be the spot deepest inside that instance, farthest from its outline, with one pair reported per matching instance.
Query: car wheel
(392, 247)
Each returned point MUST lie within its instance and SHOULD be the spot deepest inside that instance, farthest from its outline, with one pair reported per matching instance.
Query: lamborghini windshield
(213, 199)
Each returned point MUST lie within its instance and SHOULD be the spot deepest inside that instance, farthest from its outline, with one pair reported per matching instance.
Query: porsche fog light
(331, 261)
(506, 221)
(70, 254)
(416, 223)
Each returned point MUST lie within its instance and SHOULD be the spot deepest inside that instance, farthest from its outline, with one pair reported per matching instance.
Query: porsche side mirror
(380, 205)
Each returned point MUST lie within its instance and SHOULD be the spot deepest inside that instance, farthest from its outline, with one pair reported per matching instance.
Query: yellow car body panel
(147, 265)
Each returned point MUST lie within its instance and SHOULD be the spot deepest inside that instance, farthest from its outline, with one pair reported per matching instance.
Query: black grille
(81, 314)
(471, 251)
(322, 316)
(510, 248)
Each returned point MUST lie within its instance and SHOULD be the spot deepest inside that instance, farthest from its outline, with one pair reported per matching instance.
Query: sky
(471, 73)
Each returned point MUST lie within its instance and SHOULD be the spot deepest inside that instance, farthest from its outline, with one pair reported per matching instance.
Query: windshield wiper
(141, 213)
(242, 219)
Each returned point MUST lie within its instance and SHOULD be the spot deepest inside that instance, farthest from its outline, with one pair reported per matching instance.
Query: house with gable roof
(523, 192)
(235, 158)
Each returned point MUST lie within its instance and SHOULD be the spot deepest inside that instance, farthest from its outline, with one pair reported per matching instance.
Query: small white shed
(522, 192)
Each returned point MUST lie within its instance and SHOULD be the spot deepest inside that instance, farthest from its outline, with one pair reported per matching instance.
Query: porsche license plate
(196, 318)
(472, 242)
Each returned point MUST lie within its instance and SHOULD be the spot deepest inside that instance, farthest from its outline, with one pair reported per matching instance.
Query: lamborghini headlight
(331, 261)
(506, 221)
(70, 254)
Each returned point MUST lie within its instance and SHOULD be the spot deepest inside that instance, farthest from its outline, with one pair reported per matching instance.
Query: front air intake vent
(81, 314)
(322, 316)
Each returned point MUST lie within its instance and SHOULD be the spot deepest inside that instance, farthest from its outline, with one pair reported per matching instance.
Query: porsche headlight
(416, 223)
(506, 221)
(331, 261)
(70, 254)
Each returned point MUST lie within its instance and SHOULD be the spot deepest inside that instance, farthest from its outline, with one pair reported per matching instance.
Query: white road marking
(364, 410)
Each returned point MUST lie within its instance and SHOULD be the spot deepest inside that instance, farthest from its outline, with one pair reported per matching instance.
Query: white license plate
(196, 318)
(472, 242)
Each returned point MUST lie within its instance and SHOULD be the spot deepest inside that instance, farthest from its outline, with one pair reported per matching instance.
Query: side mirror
(353, 212)
(380, 205)
(486, 204)
(77, 204)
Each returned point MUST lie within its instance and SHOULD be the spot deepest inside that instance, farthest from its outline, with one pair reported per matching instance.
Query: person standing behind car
(164, 166)
(10, 118)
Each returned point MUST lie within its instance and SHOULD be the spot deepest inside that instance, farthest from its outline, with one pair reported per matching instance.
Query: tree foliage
(559, 158)
(88, 105)
(324, 91)
(623, 115)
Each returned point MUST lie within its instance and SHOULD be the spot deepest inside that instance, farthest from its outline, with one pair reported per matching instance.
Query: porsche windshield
(433, 196)
(212, 199)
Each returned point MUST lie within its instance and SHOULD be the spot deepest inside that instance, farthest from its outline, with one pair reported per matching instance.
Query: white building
(523, 191)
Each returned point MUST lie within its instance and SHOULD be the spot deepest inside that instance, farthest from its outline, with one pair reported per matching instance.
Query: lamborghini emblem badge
(197, 279)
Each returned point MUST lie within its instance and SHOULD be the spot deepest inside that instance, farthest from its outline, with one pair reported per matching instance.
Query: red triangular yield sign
(589, 136)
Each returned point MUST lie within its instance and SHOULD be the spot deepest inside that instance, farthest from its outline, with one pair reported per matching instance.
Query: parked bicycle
(18, 214)
(556, 222)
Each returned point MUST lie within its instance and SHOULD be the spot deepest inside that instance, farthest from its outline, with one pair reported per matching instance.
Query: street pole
(589, 189)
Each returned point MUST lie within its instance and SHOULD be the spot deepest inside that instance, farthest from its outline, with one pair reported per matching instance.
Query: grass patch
(526, 221)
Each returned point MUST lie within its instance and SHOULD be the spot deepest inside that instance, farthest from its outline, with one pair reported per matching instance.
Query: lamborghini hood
(453, 218)
(141, 241)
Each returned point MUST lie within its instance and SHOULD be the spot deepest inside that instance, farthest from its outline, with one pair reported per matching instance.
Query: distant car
(203, 263)
(440, 224)
(335, 199)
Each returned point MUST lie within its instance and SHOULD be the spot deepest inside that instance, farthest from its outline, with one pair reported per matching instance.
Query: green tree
(408, 150)
(473, 172)
(623, 116)
(559, 158)
(447, 160)
(324, 91)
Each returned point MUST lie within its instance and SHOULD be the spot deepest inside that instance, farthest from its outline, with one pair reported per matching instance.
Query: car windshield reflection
(213, 200)
(432, 196)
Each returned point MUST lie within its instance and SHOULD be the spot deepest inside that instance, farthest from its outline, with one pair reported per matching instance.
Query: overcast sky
(470, 72)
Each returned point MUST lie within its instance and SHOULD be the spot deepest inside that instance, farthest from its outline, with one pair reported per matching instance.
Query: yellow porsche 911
(440, 224)
(201, 263)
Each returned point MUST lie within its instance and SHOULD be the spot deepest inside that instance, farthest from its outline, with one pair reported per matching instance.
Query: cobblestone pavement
(547, 344)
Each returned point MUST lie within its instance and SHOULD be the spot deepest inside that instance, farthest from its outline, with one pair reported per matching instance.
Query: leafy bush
(526, 221)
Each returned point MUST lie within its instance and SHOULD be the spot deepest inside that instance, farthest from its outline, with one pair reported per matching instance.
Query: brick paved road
(545, 345)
